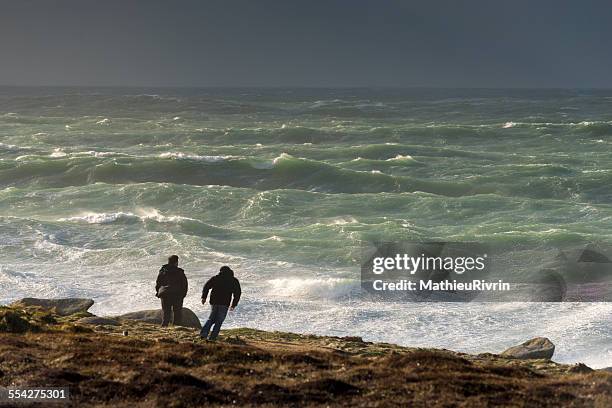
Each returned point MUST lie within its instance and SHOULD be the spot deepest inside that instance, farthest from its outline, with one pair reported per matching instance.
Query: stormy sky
(433, 43)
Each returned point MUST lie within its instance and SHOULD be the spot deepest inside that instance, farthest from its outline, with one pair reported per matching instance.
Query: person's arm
(206, 289)
(237, 293)
(160, 281)
(185, 285)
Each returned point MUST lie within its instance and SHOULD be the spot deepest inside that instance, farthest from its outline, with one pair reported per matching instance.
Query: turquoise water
(98, 186)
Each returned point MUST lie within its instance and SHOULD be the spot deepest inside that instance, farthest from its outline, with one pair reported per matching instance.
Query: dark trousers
(217, 316)
(171, 306)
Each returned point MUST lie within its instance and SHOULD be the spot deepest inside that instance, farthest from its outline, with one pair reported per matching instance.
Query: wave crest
(112, 217)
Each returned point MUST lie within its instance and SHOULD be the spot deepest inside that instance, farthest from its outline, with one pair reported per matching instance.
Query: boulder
(99, 321)
(537, 348)
(579, 368)
(353, 339)
(63, 307)
(155, 316)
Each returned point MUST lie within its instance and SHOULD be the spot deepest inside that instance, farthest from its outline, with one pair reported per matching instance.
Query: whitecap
(185, 156)
(400, 157)
(139, 215)
(282, 156)
(100, 218)
(344, 221)
(58, 152)
(312, 288)
(274, 238)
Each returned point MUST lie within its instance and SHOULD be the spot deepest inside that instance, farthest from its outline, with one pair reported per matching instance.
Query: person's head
(226, 271)
(173, 260)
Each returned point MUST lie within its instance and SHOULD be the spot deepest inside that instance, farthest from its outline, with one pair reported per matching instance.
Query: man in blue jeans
(224, 286)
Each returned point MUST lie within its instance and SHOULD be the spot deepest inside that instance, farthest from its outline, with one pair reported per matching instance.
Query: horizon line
(386, 87)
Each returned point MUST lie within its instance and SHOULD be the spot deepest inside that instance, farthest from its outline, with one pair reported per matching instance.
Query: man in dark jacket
(223, 286)
(171, 288)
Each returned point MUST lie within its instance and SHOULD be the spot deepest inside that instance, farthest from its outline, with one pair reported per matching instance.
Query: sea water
(99, 186)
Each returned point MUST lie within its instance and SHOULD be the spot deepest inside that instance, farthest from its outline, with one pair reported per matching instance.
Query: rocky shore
(129, 361)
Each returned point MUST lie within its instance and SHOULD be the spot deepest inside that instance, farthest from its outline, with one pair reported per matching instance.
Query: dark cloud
(448, 43)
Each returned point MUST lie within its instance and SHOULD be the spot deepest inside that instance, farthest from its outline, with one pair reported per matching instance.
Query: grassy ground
(153, 367)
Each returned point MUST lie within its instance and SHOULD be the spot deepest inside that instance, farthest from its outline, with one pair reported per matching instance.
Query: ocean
(99, 186)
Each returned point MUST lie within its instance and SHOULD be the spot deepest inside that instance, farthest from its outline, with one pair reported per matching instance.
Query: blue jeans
(216, 317)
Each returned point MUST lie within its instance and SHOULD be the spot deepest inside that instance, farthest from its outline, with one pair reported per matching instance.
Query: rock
(537, 348)
(155, 316)
(63, 307)
(579, 368)
(98, 321)
(354, 339)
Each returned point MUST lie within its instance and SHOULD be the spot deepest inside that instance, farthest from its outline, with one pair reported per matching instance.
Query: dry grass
(171, 368)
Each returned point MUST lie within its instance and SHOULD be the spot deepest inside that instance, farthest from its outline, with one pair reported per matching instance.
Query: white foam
(344, 221)
(46, 243)
(283, 156)
(272, 163)
(9, 147)
(140, 215)
(186, 156)
(312, 288)
(100, 218)
(274, 238)
(58, 152)
(322, 103)
(95, 153)
(400, 157)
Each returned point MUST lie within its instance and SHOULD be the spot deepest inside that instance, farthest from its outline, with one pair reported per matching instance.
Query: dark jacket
(223, 286)
(173, 281)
